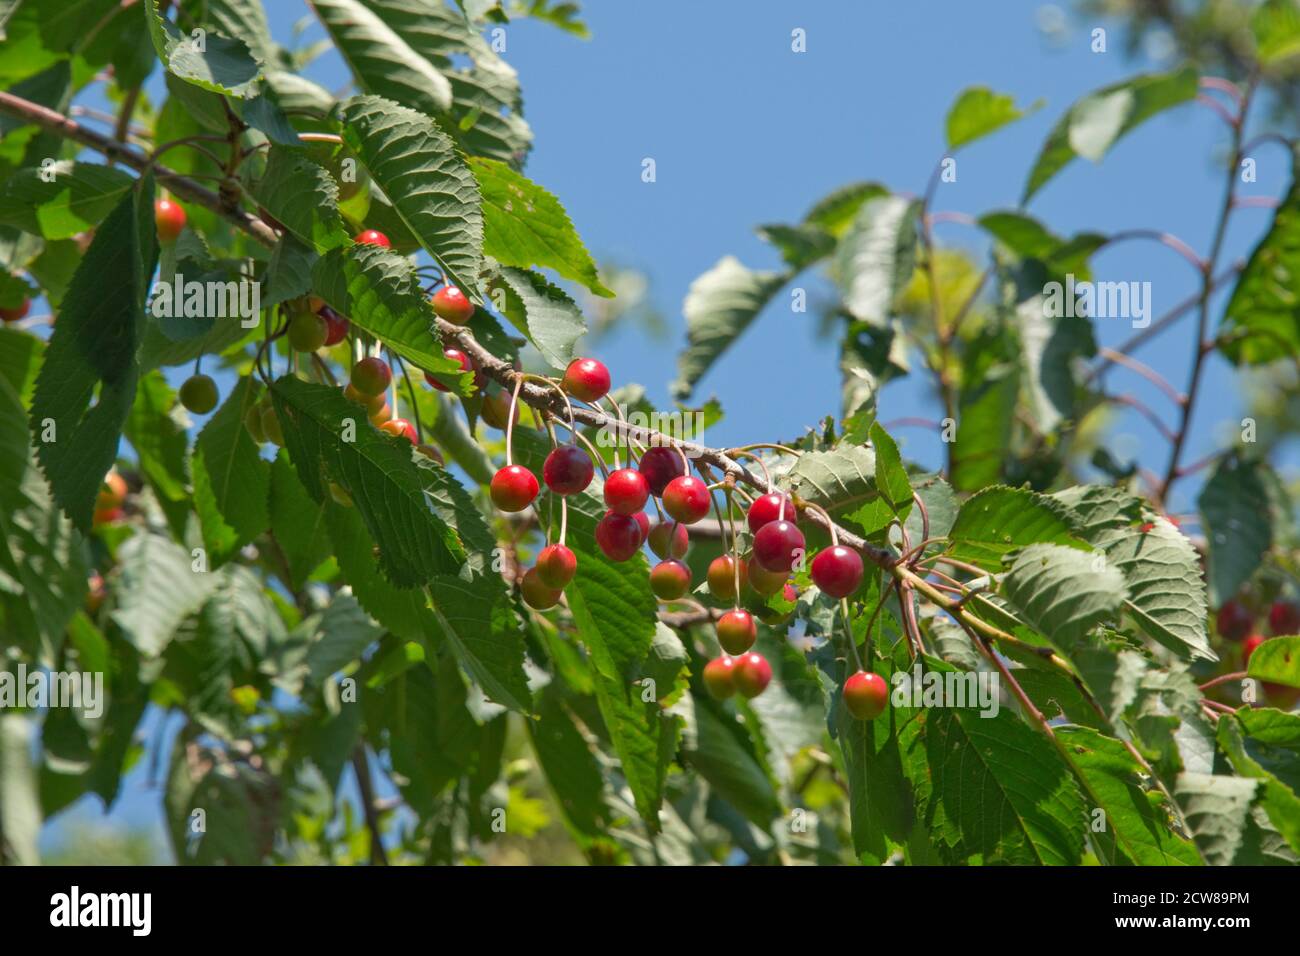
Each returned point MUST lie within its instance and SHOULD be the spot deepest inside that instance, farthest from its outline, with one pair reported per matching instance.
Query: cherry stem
(817, 509)
(764, 444)
(563, 394)
(564, 517)
(848, 629)
(622, 432)
(735, 546)
(767, 475)
(1224, 679)
(596, 456)
(510, 418)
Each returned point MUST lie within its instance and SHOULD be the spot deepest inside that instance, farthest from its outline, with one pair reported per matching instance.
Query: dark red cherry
(1234, 621)
(837, 571)
(752, 674)
(568, 470)
(460, 358)
(660, 465)
(619, 536)
(778, 546)
(768, 508)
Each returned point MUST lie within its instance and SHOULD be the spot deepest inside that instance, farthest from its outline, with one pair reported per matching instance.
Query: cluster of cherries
(1236, 623)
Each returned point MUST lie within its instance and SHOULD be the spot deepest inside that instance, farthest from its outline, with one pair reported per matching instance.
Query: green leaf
(303, 197)
(1095, 123)
(986, 410)
(329, 439)
(381, 61)
(1064, 592)
(420, 170)
(979, 111)
(800, 246)
(297, 522)
(1276, 25)
(1137, 821)
(719, 306)
(995, 522)
(64, 199)
(838, 480)
(525, 226)
(20, 800)
(380, 293)
(721, 751)
(156, 429)
(1229, 826)
(213, 62)
(571, 769)
(342, 633)
(288, 272)
(156, 589)
(894, 500)
(1261, 322)
(93, 346)
(1277, 660)
(1265, 745)
(544, 313)
(875, 258)
(231, 480)
(1160, 566)
(1237, 517)
(836, 212)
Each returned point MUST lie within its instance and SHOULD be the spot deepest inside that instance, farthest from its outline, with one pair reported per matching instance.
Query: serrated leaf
(800, 246)
(302, 197)
(1277, 660)
(156, 429)
(1236, 515)
(723, 754)
(894, 488)
(719, 306)
(525, 226)
(990, 388)
(420, 170)
(836, 211)
(996, 521)
(156, 588)
(213, 62)
(297, 523)
(874, 260)
(571, 769)
(838, 480)
(1064, 592)
(1097, 121)
(1228, 826)
(979, 111)
(288, 271)
(544, 313)
(231, 480)
(64, 199)
(1274, 761)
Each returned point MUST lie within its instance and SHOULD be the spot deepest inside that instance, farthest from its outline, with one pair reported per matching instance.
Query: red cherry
(766, 582)
(112, 492)
(536, 594)
(618, 536)
(373, 237)
(660, 465)
(170, 218)
(371, 376)
(752, 674)
(586, 379)
(768, 508)
(1284, 618)
(401, 427)
(1234, 621)
(336, 327)
(668, 539)
(866, 695)
(643, 525)
(1248, 647)
(626, 491)
(778, 546)
(464, 361)
(722, 578)
(687, 499)
(450, 303)
(736, 631)
(568, 470)
(513, 488)
(556, 566)
(670, 580)
(719, 677)
(15, 313)
(837, 571)
(107, 516)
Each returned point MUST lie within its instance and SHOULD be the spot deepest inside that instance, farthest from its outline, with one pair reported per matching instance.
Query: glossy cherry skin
(371, 376)
(687, 499)
(513, 488)
(556, 566)
(626, 491)
(568, 470)
(400, 427)
(752, 674)
(460, 358)
(1284, 618)
(660, 465)
(768, 508)
(643, 524)
(866, 695)
(586, 379)
(198, 394)
(336, 327)
(618, 536)
(763, 581)
(536, 594)
(496, 408)
(837, 571)
(170, 218)
(737, 631)
(719, 677)
(670, 580)
(668, 539)
(373, 237)
(451, 304)
(778, 546)
(1248, 647)
(722, 578)
(16, 312)
(1234, 621)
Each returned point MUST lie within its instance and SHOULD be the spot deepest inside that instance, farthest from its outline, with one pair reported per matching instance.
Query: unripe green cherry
(307, 331)
(198, 394)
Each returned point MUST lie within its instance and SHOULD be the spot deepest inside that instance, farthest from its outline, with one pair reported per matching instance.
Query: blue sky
(744, 132)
